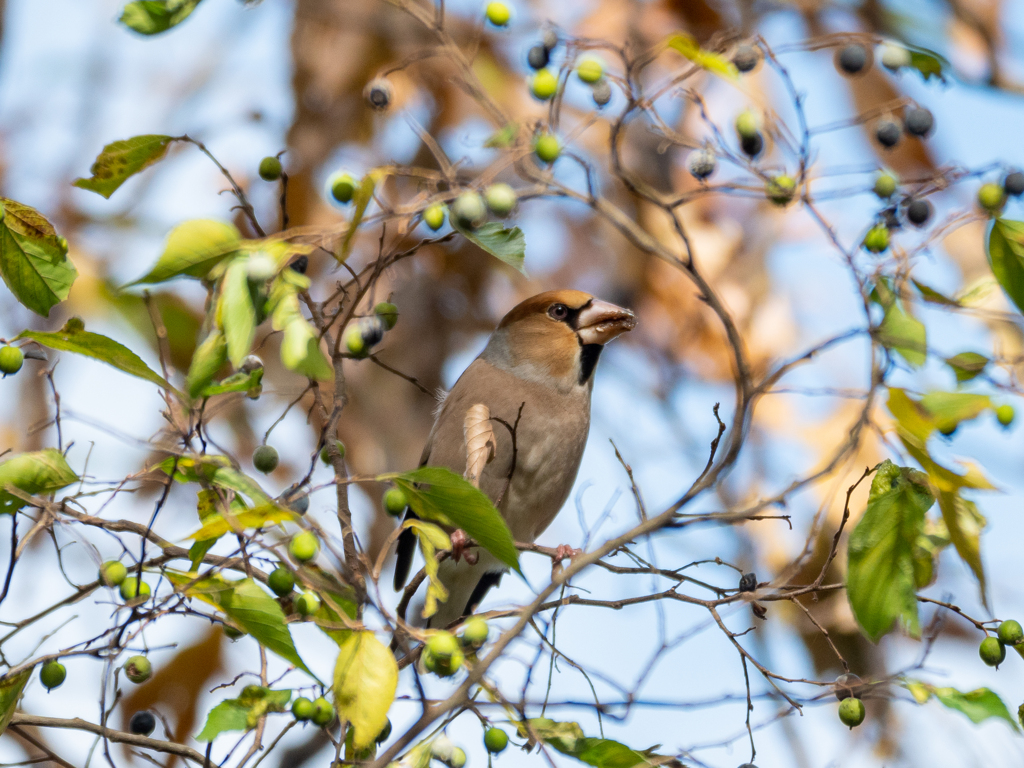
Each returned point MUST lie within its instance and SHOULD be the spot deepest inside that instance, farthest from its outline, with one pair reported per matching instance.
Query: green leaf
(568, 739)
(230, 478)
(193, 249)
(903, 333)
(11, 687)
(928, 63)
(365, 680)
(121, 160)
(979, 705)
(503, 138)
(949, 409)
(337, 602)
(713, 62)
(74, 338)
(151, 17)
(209, 358)
(507, 245)
(439, 495)
(934, 297)
(236, 382)
(967, 365)
(880, 567)
(300, 351)
(360, 200)
(33, 473)
(33, 258)
(964, 523)
(237, 313)
(243, 713)
(217, 525)
(1006, 256)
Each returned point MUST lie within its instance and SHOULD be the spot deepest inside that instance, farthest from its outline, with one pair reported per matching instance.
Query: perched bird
(538, 366)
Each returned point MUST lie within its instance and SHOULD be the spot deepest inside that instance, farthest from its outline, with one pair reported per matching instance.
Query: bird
(534, 379)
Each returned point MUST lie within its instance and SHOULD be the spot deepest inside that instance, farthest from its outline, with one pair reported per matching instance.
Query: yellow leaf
(712, 62)
(265, 514)
(365, 680)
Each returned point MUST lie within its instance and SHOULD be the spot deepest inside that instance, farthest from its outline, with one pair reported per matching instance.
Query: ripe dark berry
(918, 212)
(550, 39)
(919, 121)
(701, 163)
(748, 582)
(890, 218)
(601, 91)
(270, 169)
(888, 133)
(538, 57)
(847, 685)
(852, 59)
(300, 265)
(746, 58)
(752, 145)
(142, 723)
(1013, 184)
(378, 93)
(296, 499)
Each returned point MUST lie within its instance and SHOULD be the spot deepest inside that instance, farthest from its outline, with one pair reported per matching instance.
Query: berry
(303, 546)
(894, 56)
(746, 124)
(498, 14)
(1010, 632)
(538, 57)
(354, 342)
(468, 209)
(52, 674)
(590, 69)
(138, 669)
(748, 582)
(394, 501)
(752, 145)
(378, 93)
(384, 732)
(877, 239)
(701, 163)
(852, 58)
(746, 57)
(433, 216)
(142, 723)
(851, 712)
(442, 654)
(991, 197)
(265, 459)
(308, 603)
(388, 314)
(251, 363)
(918, 212)
(547, 148)
(132, 588)
(442, 644)
(112, 573)
(303, 709)
(458, 758)
(780, 189)
(441, 748)
(474, 632)
(602, 92)
(550, 39)
(888, 133)
(544, 84)
(281, 581)
(1005, 414)
(495, 740)
(885, 185)
(325, 457)
(501, 199)
(343, 187)
(296, 499)
(11, 360)
(232, 633)
(270, 169)
(919, 121)
(847, 685)
(323, 712)
(992, 652)
(1014, 183)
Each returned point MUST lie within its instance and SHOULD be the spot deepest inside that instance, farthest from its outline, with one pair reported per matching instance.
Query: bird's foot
(565, 552)
(460, 541)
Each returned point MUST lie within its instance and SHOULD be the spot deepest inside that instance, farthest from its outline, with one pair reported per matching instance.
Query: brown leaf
(480, 442)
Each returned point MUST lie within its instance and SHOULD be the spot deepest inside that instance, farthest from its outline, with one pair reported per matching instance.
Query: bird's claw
(460, 541)
(565, 552)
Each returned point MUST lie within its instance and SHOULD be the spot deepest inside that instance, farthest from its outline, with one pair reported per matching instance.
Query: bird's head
(556, 337)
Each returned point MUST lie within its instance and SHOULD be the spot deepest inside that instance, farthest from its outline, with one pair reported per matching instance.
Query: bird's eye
(559, 311)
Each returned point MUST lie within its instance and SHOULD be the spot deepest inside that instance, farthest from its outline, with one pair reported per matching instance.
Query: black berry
(378, 93)
(748, 582)
(142, 723)
(852, 59)
(918, 212)
(919, 121)
(300, 265)
(888, 133)
(752, 145)
(538, 57)
(1014, 183)
(746, 58)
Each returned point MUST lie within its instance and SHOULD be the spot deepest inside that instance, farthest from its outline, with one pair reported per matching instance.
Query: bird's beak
(600, 322)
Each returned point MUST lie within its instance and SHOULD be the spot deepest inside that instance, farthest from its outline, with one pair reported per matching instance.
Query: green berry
(458, 758)
(501, 199)
(1005, 414)
(232, 633)
(590, 69)
(52, 674)
(303, 546)
(547, 148)
(474, 632)
(325, 456)
(270, 169)
(747, 124)
(11, 360)
(851, 712)
(991, 197)
(992, 652)
(281, 581)
(308, 603)
(132, 588)
(303, 709)
(442, 654)
(387, 312)
(544, 84)
(323, 712)
(877, 238)
(265, 459)
(442, 644)
(138, 669)
(354, 341)
(780, 189)
(394, 501)
(885, 185)
(112, 573)
(498, 14)
(468, 209)
(1010, 632)
(433, 216)
(495, 740)
(343, 187)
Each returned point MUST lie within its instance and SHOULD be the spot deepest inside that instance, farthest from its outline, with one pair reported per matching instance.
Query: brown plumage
(541, 358)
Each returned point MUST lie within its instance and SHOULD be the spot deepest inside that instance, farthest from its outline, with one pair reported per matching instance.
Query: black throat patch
(589, 353)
